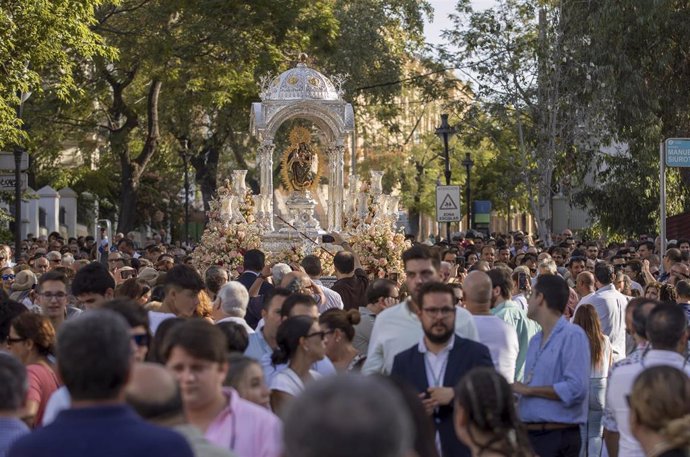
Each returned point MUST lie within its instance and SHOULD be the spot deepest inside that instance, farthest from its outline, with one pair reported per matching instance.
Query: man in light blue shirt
(13, 388)
(554, 394)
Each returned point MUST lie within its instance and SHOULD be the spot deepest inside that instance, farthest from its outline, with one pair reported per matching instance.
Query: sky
(443, 8)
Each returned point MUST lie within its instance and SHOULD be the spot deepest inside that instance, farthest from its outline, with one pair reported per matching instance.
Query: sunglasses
(7, 277)
(14, 340)
(141, 340)
(322, 334)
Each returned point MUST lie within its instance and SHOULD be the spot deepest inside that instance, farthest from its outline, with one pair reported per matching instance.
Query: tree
(640, 51)
(524, 58)
(41, 45)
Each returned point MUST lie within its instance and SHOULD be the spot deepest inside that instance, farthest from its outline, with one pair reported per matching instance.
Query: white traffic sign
(448, 204)
(7, 161)
(7, 182)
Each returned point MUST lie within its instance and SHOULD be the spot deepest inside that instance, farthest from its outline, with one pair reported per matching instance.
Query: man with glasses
(52, 297)
(381, 294)
(54, 259)
(439, 360)
(41, 265)
(398, 327)
(115, 261)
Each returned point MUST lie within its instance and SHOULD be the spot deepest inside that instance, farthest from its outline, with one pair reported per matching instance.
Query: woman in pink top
(31, 340)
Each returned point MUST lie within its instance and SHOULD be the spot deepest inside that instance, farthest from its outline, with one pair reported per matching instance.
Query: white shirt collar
(423, 349)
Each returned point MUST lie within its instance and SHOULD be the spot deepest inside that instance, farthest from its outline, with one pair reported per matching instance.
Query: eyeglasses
(14, 340)
(7, 277)
(444, 312)
(141, 340)
(49, 296)
(320, 334)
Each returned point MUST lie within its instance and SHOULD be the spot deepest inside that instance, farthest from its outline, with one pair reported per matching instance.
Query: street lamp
(185, 159)
(445, 131)
(467, 163)
(18, 153)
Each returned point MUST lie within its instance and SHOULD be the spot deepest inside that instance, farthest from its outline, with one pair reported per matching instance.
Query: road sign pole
(662, 198)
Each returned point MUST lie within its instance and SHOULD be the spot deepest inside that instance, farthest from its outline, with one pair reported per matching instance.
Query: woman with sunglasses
(300, 343)
(31, 340)
(7, 274)
(339, 327)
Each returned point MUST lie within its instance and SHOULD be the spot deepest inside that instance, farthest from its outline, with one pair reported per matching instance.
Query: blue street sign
(678, 152)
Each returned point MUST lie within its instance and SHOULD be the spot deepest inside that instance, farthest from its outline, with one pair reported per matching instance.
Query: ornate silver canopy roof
(301, 83)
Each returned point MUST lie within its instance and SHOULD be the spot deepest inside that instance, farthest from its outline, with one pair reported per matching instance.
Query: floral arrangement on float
(370, 217)
(231, 230)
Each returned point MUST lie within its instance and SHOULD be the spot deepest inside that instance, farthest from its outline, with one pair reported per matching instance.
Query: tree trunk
(132, 170)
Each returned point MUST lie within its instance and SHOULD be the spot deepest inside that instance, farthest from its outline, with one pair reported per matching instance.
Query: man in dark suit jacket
(435, 365)
(254, 262)
(95, 359)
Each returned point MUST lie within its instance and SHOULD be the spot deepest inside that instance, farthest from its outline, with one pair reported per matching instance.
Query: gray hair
(13, 383)
(95, 355)
(279, 271)
(215, 278)
(234, 299)
(314, 425)
(67, 259)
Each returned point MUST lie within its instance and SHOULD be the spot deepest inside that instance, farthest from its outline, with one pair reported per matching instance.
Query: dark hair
(683, 288)
(9, 309)
(214, 278)
(236, 334)
(275, 292)
(158, 293)
(132, 288)
(38, 329)
(433, 288)
(666, 325)
(339, 319)
(314, 425)
(312, 265)
(487, 399)
(254, 260)
(344, 262)
(288, 337)
(576, 258)
(604, 273)
(674, 255)
(199, 338)
(95, 355)
(420, 252)
(52, 276)
(126, 241)
(640, 314)
(157, 346)
(379, 288)
(555, 291)
(667, 293)
(13, 383)
(648, 244)
(134, 314)
(424, 430)
(294, 300)
(501, 278)
(184, 277)
(237, 366)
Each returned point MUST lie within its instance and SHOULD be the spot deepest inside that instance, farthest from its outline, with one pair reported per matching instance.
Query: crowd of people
(482, 346)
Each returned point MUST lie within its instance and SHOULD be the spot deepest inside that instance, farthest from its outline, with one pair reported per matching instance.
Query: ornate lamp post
(445, 131)
(467, 163)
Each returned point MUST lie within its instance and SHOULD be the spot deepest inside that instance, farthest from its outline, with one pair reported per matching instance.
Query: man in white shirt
(398, 328)
(231, 305)
(610, 305)
(667, 332)
(499, 337)
(584, 287)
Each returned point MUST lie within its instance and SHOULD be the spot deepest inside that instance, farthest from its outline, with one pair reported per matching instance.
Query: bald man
(499, 337)
(153, 393)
